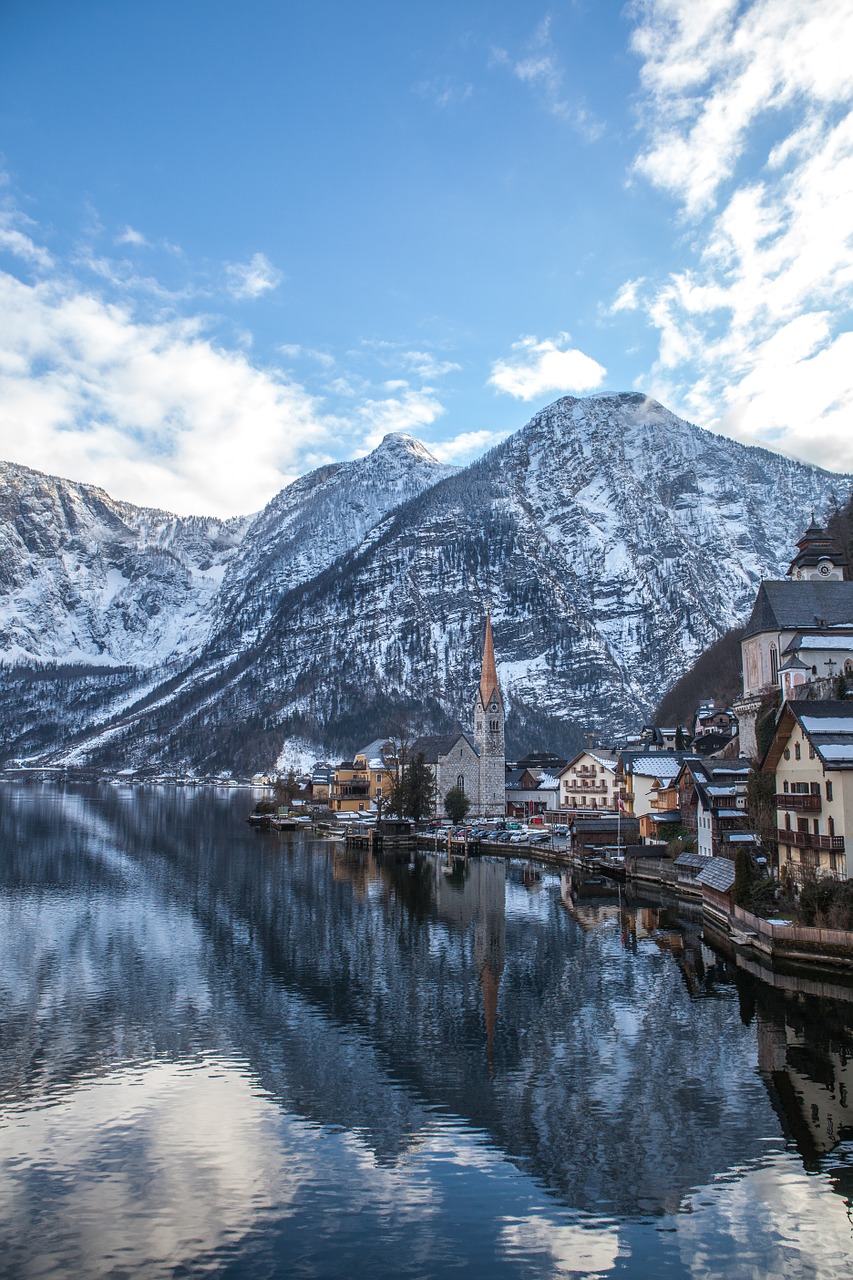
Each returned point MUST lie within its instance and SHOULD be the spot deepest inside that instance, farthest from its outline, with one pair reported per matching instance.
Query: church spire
(489, 673)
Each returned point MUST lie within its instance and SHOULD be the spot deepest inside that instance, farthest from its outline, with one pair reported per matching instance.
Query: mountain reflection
(594, 1038)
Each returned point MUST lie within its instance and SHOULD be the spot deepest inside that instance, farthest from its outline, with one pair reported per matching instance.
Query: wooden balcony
(808, 840)
(800, 803)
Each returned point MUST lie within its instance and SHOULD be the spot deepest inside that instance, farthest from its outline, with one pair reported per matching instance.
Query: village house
(640, 774)
(378, 761)
(811, 759)
(663, 814)
(712, 804)
(350, 790)
(530, 792)
(589, 781)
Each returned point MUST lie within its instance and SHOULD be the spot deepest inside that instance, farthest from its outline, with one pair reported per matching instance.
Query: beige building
(799, 630)
(589, 781)
(811, 756)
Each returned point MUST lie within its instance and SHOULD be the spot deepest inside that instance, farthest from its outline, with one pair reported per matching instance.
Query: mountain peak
(397, 443)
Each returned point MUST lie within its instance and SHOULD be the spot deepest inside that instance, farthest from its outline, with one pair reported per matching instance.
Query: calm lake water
(233, 1053)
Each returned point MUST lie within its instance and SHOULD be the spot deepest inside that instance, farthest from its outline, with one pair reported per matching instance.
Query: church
(800, 629)
(474, 762)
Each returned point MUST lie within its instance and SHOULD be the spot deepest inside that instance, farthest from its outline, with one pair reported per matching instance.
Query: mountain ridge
(614, 541)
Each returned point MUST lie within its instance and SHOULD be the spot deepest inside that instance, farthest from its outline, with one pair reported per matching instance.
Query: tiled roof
(800, 606)
(718, 874)
(698, 860)
(435, 745)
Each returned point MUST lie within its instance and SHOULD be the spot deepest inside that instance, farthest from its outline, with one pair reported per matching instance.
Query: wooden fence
(795, 933)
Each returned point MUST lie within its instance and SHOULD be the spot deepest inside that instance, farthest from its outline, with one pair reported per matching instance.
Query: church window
(774, 664)
(460, 781)
(848, 667)
(814, 671)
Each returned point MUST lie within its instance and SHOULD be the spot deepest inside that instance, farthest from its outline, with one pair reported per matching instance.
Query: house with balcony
(641, 774)
(350, 790)
(589, 781)
(378, 760)
(712, 805)
(811, 758)
(656, 825)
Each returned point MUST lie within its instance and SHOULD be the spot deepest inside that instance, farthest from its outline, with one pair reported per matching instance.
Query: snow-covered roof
(655, 766)
(820, 641)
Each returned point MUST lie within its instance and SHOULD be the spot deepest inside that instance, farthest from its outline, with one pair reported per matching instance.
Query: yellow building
(811, 757)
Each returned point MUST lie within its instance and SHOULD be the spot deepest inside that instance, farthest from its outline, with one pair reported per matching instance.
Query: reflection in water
(231, 1051)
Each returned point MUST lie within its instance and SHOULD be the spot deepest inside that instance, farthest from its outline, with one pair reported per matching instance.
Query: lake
(239, 1053)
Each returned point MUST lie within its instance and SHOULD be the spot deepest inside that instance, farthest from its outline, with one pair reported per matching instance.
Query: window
(816, 824)
(774, 664)
(812, 752)
(460, 781)
(787, 753)
(829, 790)
(785, 786)
(797, 752)
(832, 826)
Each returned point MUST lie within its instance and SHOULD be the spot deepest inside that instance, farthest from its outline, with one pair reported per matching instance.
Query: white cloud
(153, 412)
(295, 351)
(712, 70)
(749, 113)
(412, 410)
(540, 68)
(540, 367)
(254, 278)
(18, 243)
(129, 235)
(466, 447)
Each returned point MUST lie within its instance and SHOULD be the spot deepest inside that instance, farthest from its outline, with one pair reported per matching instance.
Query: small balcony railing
(801, 803)
(808, 840)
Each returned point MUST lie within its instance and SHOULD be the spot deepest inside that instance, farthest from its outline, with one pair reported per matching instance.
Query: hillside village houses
(797, 641)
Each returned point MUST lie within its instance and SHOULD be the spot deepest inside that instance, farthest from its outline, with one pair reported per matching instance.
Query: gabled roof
(436, 745)
(827, 725)
(800, 606)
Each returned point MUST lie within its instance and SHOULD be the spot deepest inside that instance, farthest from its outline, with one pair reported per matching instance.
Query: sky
(240, 241)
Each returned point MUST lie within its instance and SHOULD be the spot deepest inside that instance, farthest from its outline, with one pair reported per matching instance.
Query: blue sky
(239, 241)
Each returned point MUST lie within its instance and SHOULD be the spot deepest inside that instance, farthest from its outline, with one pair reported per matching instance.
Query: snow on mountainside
(614, 541)
(313, 521)
(84, 578)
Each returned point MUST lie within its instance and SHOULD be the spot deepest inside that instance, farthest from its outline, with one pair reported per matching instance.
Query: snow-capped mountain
(86, 579)
(613, 540)
(312, 522)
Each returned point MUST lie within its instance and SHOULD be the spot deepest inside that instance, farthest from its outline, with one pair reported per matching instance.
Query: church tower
(818, 557)
(489, 733)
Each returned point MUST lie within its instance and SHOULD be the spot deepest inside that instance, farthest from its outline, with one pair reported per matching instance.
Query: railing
(809, 840)
(803, 803)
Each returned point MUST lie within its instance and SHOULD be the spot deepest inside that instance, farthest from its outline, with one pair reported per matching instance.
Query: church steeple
(489, 673)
